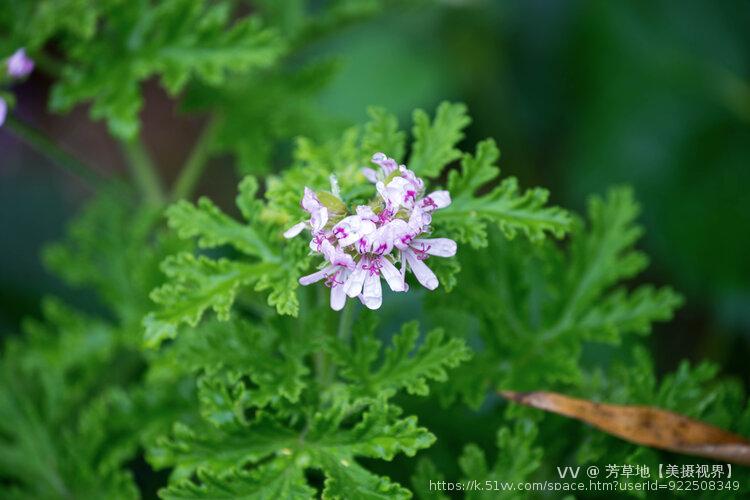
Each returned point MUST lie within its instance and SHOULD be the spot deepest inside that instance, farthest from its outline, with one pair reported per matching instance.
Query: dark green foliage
(204, 355)
(505, 206)
(72, 411)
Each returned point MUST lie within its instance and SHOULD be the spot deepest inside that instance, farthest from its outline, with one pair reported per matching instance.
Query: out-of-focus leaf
(644, 425)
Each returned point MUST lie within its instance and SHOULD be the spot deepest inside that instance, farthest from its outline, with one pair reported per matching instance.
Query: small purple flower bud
(3, 110)
(19, 64)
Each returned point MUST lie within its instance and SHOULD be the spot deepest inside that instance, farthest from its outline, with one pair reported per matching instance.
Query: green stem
(144, 172)
(324, 370)
(345, 321)
(195, 164)
(58, 156)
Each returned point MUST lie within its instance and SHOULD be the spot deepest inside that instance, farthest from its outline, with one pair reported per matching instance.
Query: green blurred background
(579, 95)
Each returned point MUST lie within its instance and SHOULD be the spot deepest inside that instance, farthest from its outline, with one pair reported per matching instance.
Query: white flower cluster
(362, 247)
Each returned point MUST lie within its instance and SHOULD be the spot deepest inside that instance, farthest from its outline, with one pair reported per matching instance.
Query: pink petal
(370, 174)
(423, 273)
(19, 64)
(412, 178)
(387, 164)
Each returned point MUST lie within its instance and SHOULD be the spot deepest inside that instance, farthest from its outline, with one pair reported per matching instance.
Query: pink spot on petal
(331, 280)
(373, 267)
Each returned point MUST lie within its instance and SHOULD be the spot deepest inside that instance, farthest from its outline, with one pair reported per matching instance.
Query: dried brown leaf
(644, 425)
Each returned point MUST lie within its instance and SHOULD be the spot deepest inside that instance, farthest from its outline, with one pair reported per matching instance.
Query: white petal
(357, 229)
(372, 293)
(338, 297)
(393, 193)
(419, 219)
(382, 191)
(423, 273)
(367, 227)
(441, 198)
(319, 218)
(328, 250)
(365, 212)
(392, 276)
(294, 230)
(416, 182)
(387, 164)
(350, 238)
(316, 276)
(353, 285)
(310, 200)
(399, 185)
(440, 247)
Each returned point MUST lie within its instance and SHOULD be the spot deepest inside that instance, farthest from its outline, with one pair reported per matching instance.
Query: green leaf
(518, 457)
(349, 480)
(66, 430)
(32, 24)
(176, 39)
(287, 110)
(219, 449)
(434, 143)
(325, 443)
(621, 312)
(426, 473)
(405, 366)
(476, 171)
(381, 134)
(197, 284)
(466, 218)
(378, 435)
(111, 248)
(604, 254)
(213, 228)
(550, 300)
(272, 360)
(279, 478)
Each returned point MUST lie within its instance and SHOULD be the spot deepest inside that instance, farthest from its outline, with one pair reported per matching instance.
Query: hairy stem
(195, 164)
(143, 172)
(58, 156)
